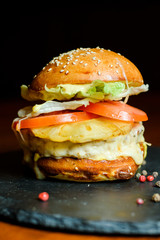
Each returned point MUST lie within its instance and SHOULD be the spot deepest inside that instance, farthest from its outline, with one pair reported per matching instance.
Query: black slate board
(103, 208)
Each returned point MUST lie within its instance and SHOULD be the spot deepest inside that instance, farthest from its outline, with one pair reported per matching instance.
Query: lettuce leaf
(100, 89)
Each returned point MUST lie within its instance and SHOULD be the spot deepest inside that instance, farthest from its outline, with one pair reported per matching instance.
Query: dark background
(30, 38)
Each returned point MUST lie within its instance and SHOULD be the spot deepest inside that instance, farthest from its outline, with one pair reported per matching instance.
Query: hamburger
(79, 126)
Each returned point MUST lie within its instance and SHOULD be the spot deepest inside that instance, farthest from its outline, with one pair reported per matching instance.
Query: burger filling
(90, 128)
(110, 149)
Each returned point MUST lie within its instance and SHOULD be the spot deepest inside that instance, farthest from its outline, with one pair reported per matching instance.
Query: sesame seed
(76, 56)
(57, 63)
(85, 64)
(118, 53)
(52, 61)
(94, 58)
(49, 69)
(76, 60)
(111, 66)
(116, 71)
(35, 76)
(109, 50)
(96, 64)
(127, 62)
(64, 66)
(61, 70)
(99, 73)
(98, 61)
(66, 72)
(81, 61)
(73, 63)
(86, 49)
(43, 68)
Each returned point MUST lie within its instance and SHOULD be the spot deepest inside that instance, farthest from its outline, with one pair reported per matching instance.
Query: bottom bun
(86, 170)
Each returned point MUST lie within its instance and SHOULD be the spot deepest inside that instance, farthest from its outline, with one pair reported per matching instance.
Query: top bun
(84, 65)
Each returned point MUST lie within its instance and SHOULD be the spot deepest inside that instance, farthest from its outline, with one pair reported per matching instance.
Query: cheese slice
(90, 130)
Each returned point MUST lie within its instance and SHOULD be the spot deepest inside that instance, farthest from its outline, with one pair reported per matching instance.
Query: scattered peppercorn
(158, 183)
(144, 172)
(150, 178)
(138, 175)
(142, 178)
(156, 197)
(144, 162)
(155, 174)
(43, 196)
(139, 201)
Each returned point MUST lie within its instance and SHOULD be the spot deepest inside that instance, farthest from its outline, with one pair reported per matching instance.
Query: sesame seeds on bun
(84, 65)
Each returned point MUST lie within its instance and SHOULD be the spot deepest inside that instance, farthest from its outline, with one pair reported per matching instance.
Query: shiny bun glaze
(86, 170)
(85, 65)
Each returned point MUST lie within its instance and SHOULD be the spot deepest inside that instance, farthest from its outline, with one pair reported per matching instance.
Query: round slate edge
(65, 223)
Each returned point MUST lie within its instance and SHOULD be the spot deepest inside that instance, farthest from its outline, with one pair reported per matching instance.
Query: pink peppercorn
(142, 178)
(43, 196)
(139, 201)
(150, 178)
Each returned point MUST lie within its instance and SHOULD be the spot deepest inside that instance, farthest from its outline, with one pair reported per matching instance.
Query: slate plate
(104, 207)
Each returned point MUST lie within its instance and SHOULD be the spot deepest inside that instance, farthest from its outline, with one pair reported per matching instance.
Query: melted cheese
(85, 131)
(124, 145)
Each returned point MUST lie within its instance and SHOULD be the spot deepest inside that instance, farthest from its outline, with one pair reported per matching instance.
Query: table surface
(148, 102)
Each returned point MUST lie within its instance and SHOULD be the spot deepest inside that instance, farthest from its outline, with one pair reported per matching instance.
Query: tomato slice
(52, 119)
(116, 110)
(110, 109)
